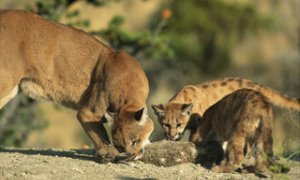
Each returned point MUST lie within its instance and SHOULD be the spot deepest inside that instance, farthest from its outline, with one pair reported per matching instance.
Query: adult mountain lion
(65, 65)
(240, 119)
(183, 110)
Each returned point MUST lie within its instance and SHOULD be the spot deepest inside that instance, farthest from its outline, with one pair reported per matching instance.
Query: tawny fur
(196, 99)
(241, 118)
(62, 64)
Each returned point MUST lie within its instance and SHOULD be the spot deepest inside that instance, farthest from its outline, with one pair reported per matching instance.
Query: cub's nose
(177, 137)
(172, 138)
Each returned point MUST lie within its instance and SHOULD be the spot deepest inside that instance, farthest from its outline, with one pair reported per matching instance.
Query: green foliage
(204, 32)
(284, 163)
(291, 155)
(119, 38)
(148, 42)
(55, 11)
(49, 9)
(280, 166)
(25, 119)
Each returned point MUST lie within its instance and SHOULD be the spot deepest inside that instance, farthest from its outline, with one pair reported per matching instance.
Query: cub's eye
(135, 142)
(166, 125)
(179, 125)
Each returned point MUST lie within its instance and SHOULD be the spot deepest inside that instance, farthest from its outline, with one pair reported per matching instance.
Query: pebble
(132, 164)
(23, 174)
(77, 170)
(15, 160)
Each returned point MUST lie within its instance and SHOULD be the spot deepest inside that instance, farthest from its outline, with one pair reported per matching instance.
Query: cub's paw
(262, 167)
(222, 169)
(217, 169)
(108, 154)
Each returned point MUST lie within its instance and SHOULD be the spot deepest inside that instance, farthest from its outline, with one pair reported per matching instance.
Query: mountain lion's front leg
(91, 122)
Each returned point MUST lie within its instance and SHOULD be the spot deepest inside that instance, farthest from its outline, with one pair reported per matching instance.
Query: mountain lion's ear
(158, 109)
(141, 116)
(109, 116)
(187, 109)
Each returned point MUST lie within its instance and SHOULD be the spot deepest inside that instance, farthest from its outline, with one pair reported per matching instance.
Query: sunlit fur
(174, 122)
(203, 96)
(242, 118)
(59, 63)
(130, 136)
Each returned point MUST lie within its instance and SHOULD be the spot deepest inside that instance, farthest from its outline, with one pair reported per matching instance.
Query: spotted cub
(239, 119)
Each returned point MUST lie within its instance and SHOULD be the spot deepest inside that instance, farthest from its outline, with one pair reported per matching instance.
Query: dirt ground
(81, 164)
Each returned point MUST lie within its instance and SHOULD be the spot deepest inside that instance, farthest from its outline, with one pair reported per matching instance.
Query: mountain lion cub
(240, 119)
(183, 110)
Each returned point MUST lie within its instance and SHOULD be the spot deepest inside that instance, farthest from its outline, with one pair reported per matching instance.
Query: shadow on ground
(81, 154)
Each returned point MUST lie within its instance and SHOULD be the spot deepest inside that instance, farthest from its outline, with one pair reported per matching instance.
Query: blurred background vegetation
(177, 43)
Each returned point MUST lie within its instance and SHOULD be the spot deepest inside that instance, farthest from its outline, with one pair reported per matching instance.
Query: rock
(169, 153)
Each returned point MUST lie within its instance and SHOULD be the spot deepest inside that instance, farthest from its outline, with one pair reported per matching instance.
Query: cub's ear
(158, 109)
(187, 109)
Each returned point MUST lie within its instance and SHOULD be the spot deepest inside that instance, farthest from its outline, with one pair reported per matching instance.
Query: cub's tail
(275, 97)
(222, 87)
(281, 100)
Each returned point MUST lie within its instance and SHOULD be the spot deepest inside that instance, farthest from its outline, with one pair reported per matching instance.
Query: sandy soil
(81, 164)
